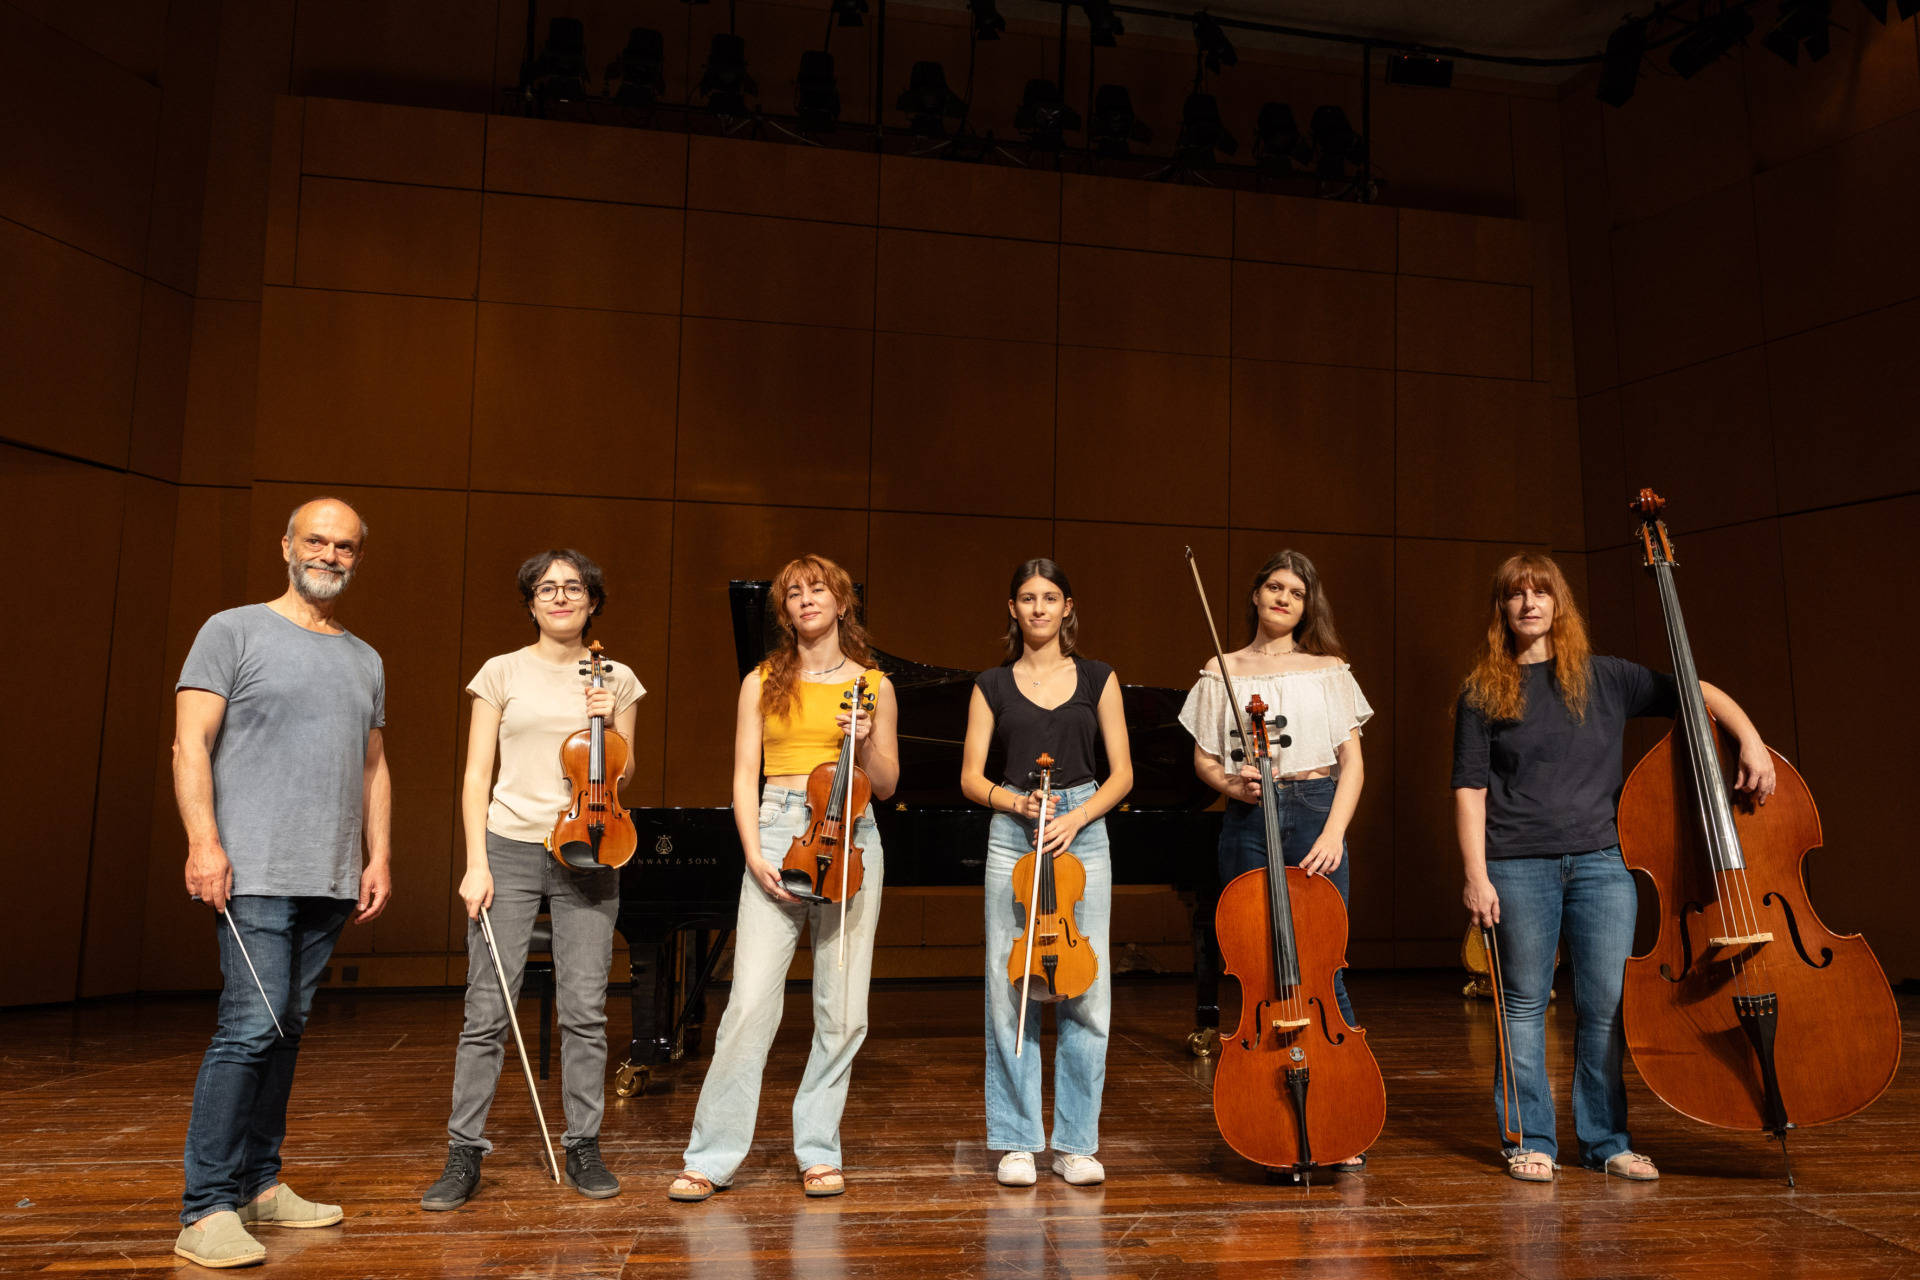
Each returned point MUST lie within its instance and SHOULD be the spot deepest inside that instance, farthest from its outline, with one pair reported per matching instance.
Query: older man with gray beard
(281, 776)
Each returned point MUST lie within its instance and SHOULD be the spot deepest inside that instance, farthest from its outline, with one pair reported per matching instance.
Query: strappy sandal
(1356, 1165)
(1621, 1166)
(702, 1187)
(828, 1182)
(1520, 1160)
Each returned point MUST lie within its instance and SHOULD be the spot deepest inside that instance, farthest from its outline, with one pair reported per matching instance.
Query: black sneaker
(457, 1181)
(586, 1174)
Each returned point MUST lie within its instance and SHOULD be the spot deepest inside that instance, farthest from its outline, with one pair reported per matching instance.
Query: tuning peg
(1233, 733)
(1285, 741)
(1238, 755)
(1277, 721)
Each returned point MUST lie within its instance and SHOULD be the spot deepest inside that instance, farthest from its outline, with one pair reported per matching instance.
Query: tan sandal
(1621, 1166)
(698, 1185)
(1521, 1160)
(827, 1182)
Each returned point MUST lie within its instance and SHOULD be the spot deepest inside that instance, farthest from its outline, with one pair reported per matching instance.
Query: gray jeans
(583, 906)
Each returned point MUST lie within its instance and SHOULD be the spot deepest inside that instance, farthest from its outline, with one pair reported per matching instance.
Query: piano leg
(694, 1017)
(637, 1071)
(1205, 1036)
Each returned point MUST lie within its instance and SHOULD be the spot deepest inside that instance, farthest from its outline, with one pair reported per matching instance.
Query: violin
(823, 864)
(1296, 1087)
(1747, 1012)
(1053, 949)
(594, 831)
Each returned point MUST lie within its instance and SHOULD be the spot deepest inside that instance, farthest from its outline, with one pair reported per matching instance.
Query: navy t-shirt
(1553, 782)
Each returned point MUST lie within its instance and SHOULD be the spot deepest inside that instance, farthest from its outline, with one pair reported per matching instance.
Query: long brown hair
(781, 669)
(1041, 567)
(1315, 631)
(1494, 687)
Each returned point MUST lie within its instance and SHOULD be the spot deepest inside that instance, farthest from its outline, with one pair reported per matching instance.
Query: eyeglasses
(548, 590)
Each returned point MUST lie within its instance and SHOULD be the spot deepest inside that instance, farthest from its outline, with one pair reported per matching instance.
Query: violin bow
(1033, 903)
(1510, 1125)
(258, 985)
(846, 843)
(513, 1020)
(1233, 703)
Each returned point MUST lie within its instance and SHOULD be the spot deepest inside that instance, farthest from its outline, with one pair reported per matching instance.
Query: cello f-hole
(1325, 1029)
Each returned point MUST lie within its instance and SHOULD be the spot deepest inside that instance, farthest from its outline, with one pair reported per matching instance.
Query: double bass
(1748, 1012)
(594, 831)
(1053, 949)
(1296, 1088)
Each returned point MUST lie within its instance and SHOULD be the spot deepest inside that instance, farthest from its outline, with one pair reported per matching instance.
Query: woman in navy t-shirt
(1045, 698)
(1537, 774)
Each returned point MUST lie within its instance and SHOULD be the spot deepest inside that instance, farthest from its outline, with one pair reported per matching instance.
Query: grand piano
(679, 893)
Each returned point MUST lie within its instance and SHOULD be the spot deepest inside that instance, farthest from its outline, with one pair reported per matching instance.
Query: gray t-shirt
(289, 764)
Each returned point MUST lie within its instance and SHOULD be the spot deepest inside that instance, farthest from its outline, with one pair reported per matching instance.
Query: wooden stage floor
(93, 1110)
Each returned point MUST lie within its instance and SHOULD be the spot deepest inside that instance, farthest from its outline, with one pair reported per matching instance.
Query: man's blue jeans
(1590, 899)
(240, 1100)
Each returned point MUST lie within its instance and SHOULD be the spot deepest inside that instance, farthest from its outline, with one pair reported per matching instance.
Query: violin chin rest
(800, 885)
(579, 855)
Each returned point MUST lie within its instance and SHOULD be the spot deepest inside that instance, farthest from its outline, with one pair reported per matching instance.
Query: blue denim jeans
(240, 1099)
(1589, 898)
(1304, 807)
(766, 934)
(1014, 1121)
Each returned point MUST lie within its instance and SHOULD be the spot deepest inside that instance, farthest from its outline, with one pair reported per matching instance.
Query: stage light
(726, 82)
(1711, 39)
(1620, 73)
(1044, 116)
(559, 74)
(1800, 22)
(1103, 24)
(816, 93)
(850, 13)
(1277, 143)
(1426, 73)
(639, 71)
(927, 100)
(1201, 133)
(1337, 143)
(1215, 49)
(1114, 125)
(1878, 8)
(987, 22)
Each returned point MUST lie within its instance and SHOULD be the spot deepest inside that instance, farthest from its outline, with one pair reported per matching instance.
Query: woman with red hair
(1537, 741)
(789, 721)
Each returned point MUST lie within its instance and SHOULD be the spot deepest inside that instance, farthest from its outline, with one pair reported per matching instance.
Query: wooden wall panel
(1687, 284)
(1589, 243)
(1862, 878)
(1463, 326)
(1700, 436)
(1162, 217)
(1460, 246)
(40, 931)
(69, 347)
(1605, 486)
(1871, 76)
(1312, 316)
(385, 237)
(1144, 301)
(425, 52)
(1464, 458)
(969, 199)
(778, 181)
(223, 385)
(967, 286)
(283, 179)
(1114, 567)
(611, 376)
(1116, 409)
(581, 253)
(936, 586)
(932, 398)
(1842, 398)
(364, 388)
(1676, 140)
(779, 269)
(1312, 447)
(381, 143)
(1315, 233)
(160, 381)
(586, 162)
(1451, 151)
(780, 413)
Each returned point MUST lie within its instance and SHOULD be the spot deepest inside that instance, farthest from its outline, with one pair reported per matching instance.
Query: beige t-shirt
(540, 705)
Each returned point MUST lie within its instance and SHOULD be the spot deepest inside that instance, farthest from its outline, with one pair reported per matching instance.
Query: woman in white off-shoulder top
(1295, 663)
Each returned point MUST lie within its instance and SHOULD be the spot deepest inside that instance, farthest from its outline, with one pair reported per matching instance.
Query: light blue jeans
(1590, 897)
(1014, 1121)
(765, 937)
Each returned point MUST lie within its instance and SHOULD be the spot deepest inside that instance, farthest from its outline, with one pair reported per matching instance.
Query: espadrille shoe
(285, 1208)
(218, 1240)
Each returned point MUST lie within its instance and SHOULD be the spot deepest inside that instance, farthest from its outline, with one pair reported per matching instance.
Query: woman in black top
(1537, 775)
(1046, 699)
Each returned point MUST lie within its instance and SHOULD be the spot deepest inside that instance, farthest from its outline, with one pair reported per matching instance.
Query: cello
(1296, 1088)
(1052, 949)
(1747, 1012)
(594, 831)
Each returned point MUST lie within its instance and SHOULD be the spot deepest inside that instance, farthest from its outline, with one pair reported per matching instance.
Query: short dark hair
(535, 568)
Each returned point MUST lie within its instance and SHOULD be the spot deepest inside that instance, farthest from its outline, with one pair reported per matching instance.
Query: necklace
(830, 670)
(1275, 653)
(1050, 675)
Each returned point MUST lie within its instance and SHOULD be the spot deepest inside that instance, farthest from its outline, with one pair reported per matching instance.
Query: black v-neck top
(1023, 730)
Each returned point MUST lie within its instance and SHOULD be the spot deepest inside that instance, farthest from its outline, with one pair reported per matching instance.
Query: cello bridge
(1290, 1024)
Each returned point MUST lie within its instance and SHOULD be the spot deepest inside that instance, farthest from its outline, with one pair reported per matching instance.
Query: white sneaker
(1079, 1171)
(1016, 1169)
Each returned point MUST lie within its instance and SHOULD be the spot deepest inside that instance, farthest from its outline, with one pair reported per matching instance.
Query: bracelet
(990, 790)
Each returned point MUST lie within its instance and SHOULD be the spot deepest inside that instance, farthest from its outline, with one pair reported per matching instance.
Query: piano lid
(933, 719)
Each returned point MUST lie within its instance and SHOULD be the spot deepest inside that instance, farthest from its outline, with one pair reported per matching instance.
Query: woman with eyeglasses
(525, 705)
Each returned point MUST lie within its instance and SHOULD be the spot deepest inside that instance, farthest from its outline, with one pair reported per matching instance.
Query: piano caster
(1203, 1042)
(631, 1081)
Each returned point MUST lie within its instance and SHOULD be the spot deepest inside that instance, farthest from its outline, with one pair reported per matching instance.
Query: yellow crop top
(807, 736)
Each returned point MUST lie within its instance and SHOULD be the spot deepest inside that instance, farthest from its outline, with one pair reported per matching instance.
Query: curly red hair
(781, 669)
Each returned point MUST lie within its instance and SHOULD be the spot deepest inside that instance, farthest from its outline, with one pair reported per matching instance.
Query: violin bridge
(1743, 940)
